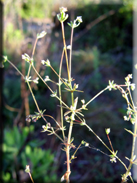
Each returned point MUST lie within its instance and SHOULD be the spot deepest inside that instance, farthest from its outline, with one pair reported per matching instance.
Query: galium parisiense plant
(72, 114)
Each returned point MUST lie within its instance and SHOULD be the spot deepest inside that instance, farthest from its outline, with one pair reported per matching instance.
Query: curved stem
(53, 119)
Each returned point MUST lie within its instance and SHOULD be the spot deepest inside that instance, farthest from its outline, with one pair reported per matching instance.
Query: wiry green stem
(60, 96)
(31, 178)
(90, 129)
(16, 68)
(58, 76)
(39, 108)
(49, 88)
(33, 51)
(33, 97)
(65, 49)
(70, 57)
(96, 96)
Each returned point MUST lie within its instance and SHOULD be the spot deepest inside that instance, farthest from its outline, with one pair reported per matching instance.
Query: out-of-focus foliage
(12, 37)
(104, 33)
(29, 9)
(20, 151)
(42, 9)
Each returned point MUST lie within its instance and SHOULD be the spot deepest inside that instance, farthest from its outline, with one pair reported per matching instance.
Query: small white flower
(79, 19)
(44, 128)
(76, 86)
(69, 47)
(46, 78)
(113, 160)
(134, 157)
(67, 118)
(27, 170)
(86, 144)
(63, 9)
(83, 101)
(5, 58)
(125, 118)
(73, 157)
(130, 76)
(54, 94)
(129, 174)
(47, 62)
(107, 131)
(84, 107)
(28, 79)
(43, 62)
(132, 86)
(36, 80)
(26, 57)
(42, 34)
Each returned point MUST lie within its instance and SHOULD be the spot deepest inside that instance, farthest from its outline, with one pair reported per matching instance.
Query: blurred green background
(102, 51)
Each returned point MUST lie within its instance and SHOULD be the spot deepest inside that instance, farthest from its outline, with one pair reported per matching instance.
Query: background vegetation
(102, 51)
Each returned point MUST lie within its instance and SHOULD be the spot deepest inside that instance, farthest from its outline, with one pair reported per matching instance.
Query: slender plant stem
(58, 76)
(58, 136)
(60, 95)
(68, 163)
(16, 68)
(31, 178)
(133, 148)
(65, 49)
(50, 88)
(76, 151)
(90, 129)
(42, 79)
(106, 146)
(70, 57)
(35, 101)
(34, 48)
(53, 119)
(131, 99)
(110, 142)
(68, 142)
(68, 151)
(33, 51)
(39, 109)
(134, 136)
(72, 99)
(33, 96)
(121, 162)
(96, 96)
